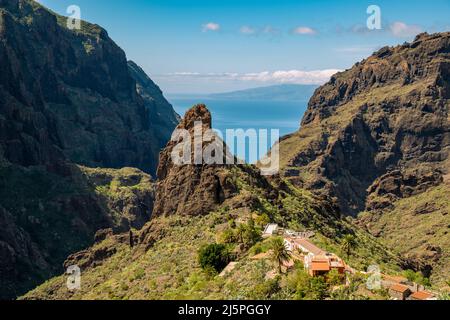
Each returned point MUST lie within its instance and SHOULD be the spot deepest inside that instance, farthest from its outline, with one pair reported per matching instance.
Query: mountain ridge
(378, 134)
(69, 99)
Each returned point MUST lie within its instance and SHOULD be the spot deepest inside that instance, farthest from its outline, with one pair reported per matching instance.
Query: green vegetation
(38, 201)
(348, 244)
(214, 257)
(417, 277)
(172, 268)
(279, 254)
(301, 286)
(418, 227)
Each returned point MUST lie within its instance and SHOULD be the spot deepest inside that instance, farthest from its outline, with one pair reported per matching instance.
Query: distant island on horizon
(282, 92)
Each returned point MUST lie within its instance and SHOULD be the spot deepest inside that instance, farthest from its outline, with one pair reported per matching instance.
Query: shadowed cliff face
(376, 139)
(381, 127)
(73, 93)
(69, 97)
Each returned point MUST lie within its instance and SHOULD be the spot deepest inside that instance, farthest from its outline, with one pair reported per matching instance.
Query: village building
(387, 280)
(422, 295)
(318, 266)
(270, 229)
(316, 261)
(399, 291)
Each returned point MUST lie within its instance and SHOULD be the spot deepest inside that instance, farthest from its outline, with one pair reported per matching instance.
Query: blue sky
(213, 46)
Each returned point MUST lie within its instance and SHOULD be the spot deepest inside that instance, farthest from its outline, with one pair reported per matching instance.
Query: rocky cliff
(381, 127)
(379, 133)
(73, 93)
(69, 98)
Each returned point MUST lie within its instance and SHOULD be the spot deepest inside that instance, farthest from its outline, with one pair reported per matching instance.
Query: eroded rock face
(376, 138)
(191, 189)
(380, 127)
(73, 93)
(69, 96)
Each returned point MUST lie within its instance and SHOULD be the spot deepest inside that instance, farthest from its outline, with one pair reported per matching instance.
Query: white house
(271, 229)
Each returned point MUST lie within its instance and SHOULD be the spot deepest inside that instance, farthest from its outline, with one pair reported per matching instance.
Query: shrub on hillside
(213, 257)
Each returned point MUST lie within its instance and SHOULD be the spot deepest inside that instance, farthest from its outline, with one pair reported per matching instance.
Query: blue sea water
(247, 114)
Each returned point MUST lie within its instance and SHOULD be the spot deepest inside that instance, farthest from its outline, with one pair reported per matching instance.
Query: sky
(199, 46)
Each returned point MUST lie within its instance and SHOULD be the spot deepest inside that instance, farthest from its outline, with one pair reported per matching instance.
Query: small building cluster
(318, 262)
(315, 260)
(274, 229)
(401, 289)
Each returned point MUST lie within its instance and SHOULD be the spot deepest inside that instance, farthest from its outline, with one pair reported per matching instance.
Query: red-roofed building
(319, 267)
(316, 261)
(399, 291)
(421, 295)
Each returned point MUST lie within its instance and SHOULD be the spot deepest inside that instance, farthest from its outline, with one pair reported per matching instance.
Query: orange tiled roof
(399, 288)
(320, 266)
(421, 295)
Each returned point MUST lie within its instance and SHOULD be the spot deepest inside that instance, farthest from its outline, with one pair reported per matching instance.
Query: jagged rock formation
(69, 96)
(379, 133)
(191, 189)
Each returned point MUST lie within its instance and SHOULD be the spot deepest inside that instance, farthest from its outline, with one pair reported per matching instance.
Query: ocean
(247, 114)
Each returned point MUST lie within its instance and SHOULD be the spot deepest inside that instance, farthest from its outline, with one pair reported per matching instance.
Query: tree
(318, 288)
(334, 278)
(214, 256)
(240, 232)
(309, 288)
(131, 239)
(417, 277)
(248, 234)
(348, 244)
(280, 252)
(251, 234)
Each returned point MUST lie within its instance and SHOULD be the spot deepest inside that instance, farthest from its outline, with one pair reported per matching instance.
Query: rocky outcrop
(381, 127)
(191, 189)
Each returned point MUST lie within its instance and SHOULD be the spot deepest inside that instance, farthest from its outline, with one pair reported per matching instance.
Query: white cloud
(281, 76)
(403, 30)
(304, 31)
(247, 30)
(210, 26)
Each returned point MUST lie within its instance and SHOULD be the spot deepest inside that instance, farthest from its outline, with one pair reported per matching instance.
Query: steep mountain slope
(418, 228)
(198, 205)
(80, 96)
(69, 97)
(379, 134)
